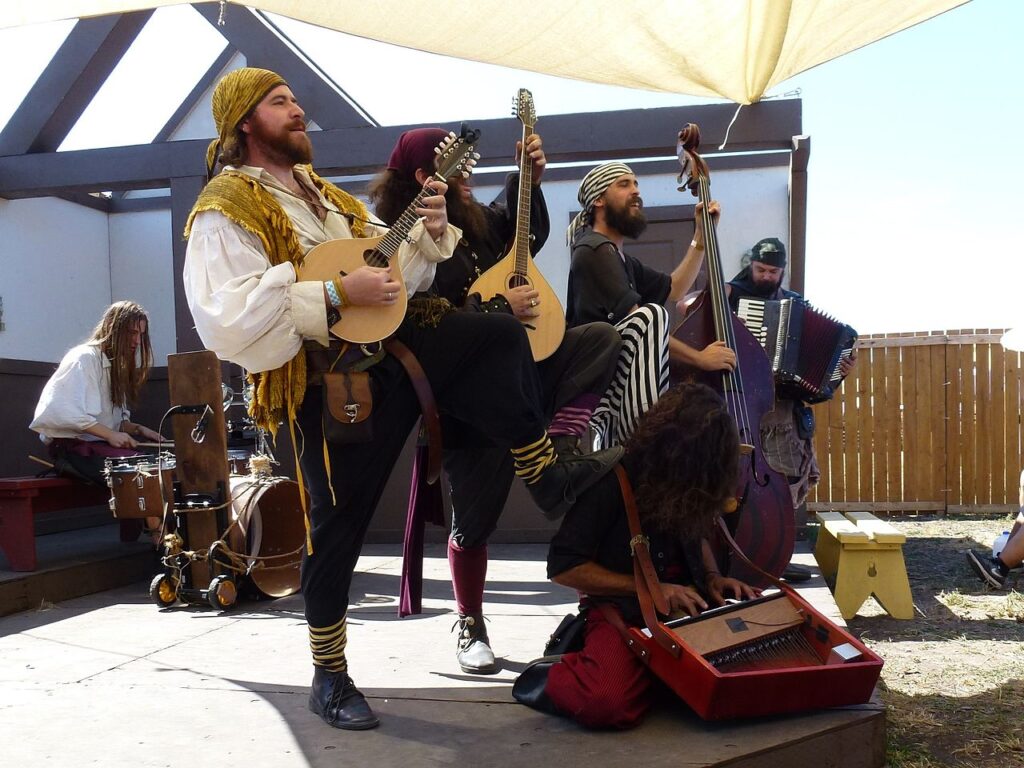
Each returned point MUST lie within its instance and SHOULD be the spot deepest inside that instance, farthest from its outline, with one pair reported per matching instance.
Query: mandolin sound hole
(517, 281)
(374, 258)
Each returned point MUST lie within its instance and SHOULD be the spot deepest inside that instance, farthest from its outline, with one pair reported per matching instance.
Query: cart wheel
(163, 590)
(221, 593)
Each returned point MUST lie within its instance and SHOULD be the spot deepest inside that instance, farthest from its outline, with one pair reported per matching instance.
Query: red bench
(23, 497)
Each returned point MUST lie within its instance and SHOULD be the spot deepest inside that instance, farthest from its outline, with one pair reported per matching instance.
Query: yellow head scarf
(233, 98)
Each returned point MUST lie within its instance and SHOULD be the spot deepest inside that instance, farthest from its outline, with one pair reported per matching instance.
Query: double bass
(762, 522)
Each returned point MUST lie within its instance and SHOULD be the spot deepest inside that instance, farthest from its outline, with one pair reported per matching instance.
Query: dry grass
(953, 679)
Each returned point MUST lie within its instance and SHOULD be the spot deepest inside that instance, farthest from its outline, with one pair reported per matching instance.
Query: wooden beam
(590, 137)
(798, 212)
(184, 192)
(263, 45)
(70, 81)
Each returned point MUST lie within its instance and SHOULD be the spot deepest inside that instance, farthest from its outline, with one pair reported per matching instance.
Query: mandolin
(517, 268)
(365, 324)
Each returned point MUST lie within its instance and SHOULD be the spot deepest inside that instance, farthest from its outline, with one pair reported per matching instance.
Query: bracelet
(700, 247)
(336, 293)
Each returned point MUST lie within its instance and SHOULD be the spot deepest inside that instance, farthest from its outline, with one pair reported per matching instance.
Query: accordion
(805, 346)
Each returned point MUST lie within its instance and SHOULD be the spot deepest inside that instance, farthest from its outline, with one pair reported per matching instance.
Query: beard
(284, 146)
(467, 215)
(630, 222)
(765, 287)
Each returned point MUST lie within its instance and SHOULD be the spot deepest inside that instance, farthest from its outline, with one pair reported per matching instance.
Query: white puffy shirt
(257, 315)
(77, 396)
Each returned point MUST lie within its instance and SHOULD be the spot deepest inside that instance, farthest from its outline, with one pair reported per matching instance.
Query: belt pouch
(347, 406)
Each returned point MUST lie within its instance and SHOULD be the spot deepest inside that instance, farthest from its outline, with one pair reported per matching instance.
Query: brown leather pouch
(348, 404)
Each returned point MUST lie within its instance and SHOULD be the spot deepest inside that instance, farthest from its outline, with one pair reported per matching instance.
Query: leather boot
(562, 483)
(529, 687)
(336, 699)
(566, 446)
(474, 652)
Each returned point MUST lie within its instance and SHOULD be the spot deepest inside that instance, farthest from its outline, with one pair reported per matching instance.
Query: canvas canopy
(731, 49)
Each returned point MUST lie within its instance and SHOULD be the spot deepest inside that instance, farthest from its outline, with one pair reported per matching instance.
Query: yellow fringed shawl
(277, 394)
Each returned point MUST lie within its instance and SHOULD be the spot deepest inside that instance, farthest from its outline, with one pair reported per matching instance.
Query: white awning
(732, 49)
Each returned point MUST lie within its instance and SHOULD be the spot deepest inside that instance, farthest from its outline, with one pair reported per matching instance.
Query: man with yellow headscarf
(253, 222)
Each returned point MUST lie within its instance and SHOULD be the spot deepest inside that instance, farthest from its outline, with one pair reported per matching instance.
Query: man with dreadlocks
(83, 413)
(253, 222)
(606, 284)
(681, 463)
(573, 378)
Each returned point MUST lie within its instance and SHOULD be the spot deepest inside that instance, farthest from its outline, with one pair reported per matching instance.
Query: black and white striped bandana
(592, 187)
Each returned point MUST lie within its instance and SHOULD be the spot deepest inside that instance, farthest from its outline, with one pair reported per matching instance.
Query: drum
(134, 483)
(238, 461)
(269, 529)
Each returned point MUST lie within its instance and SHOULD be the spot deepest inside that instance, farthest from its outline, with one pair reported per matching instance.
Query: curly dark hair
(684, 461)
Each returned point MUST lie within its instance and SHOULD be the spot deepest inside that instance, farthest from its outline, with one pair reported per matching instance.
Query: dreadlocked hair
(684, 459)
(128, 371)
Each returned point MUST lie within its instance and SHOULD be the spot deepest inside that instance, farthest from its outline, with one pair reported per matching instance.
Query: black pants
(480, 470)
(482, 374)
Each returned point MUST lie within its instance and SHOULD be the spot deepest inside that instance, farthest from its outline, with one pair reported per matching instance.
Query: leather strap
(648, 587)
(431, 420)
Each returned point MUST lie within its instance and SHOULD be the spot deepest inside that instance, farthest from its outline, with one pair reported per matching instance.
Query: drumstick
(162, 444)
(41, 461)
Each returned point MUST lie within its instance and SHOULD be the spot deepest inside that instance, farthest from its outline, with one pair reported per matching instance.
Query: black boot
(336, 699)
(989, 569)
(562, 483)
(795, 572)
(566, 447)
(474, 652)
(529, 687)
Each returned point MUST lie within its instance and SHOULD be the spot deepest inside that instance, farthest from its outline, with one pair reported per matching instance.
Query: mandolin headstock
(456, 154)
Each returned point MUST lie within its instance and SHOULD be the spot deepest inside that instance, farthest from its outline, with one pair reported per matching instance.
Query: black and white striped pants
(641, 375)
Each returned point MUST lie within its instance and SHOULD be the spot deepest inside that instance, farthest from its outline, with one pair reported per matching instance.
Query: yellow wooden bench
(865, 556)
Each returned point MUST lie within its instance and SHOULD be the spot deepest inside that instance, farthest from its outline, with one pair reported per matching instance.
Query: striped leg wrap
(531, 460)
(328, 646)
(641, 374)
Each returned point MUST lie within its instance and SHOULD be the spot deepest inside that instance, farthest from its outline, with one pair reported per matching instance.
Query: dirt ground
(954, 677)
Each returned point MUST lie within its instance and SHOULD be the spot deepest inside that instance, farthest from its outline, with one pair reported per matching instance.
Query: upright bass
(762, 523)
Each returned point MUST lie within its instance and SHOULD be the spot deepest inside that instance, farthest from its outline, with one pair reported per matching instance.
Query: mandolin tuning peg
(465, 174)
(437, 150)
(451, 135)
(476, 155)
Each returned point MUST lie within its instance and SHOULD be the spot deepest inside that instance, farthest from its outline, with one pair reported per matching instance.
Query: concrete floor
(110, 680)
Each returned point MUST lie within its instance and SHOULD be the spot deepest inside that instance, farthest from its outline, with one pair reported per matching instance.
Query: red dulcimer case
(768, 656)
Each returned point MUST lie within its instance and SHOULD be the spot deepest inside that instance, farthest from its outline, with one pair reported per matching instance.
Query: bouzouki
(365, 324)
(517, 268)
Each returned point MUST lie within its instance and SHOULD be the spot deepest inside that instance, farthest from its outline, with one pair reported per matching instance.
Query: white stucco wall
(142, 270)
(755, 204)
(54, 276)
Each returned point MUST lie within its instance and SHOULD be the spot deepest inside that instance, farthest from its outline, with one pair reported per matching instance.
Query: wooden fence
(926, 422)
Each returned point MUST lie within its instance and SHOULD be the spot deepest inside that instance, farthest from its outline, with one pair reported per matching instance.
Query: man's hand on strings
(434, 210)
(535, 151)
(720, 587)
(368, 286)
(524, 301)
(682, 599)
(716, 356)
(715, 209)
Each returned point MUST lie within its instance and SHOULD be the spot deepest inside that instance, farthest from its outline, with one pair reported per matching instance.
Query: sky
(914, 192)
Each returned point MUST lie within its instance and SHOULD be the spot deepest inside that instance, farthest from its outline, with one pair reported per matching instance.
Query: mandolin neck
(522, 241)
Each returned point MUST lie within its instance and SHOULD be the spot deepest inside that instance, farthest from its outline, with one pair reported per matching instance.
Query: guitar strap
(428, 406)
(648, 587)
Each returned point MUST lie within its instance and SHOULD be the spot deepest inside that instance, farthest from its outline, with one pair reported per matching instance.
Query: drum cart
(194, 570)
